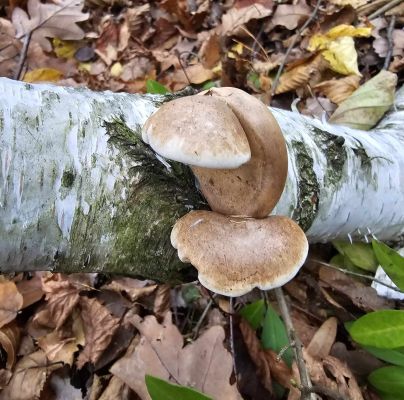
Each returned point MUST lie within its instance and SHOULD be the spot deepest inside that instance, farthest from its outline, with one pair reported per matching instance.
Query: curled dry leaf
(133, 288)
(291, 16)
(361, 295)
(62, 296)
(29, 378)
(60, 345)
(337, 90)
(31, 289)
(9, 341)
(267, 361)
(162, 301)
(204, 365)
(50, 20)
(99, 328)
(236, 17)
(11, 301)
(297, 76)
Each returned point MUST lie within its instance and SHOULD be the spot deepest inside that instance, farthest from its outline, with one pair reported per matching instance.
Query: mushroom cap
(254, 188)
(234, 255)
(198, 130)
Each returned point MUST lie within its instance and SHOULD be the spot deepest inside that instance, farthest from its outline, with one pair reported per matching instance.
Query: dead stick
(292, 44)
(298, 347)
(390, 42)
(23, 56)
(386, 7)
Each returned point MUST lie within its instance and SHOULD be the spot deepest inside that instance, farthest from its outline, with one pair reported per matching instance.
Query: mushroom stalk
(80, 192)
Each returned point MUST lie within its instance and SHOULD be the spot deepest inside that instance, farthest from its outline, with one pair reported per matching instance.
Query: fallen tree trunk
(79, 191)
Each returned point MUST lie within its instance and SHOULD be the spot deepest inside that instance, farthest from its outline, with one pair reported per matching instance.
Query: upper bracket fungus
(237, 152)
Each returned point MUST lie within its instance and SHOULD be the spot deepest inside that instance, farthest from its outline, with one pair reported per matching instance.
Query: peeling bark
(79, 191)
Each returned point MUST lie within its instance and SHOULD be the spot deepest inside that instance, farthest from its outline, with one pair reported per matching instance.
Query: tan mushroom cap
(254, 188)
(235, 255)
(198, 130)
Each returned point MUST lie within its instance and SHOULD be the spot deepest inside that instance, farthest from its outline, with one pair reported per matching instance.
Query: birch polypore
(79, 191)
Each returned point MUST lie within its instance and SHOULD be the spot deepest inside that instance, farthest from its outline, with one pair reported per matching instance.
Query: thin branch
(232, 348)
(201, 319)
(23, 56)
(318, 389)
(390, 42)
(370, 278)
(298, 347)
(292, 45)
(386, 7)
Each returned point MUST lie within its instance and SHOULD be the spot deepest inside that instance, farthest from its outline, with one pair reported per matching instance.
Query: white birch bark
(64, 186)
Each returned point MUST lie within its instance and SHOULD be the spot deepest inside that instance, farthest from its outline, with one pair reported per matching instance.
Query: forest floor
(95, 336)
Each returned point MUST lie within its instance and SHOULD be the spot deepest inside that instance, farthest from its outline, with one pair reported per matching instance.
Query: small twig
(283, 350)
(318, 389)
(390, 42)
(23, 56)
(298, 347)
(256, 42)
(202, 317)
(232, 349)
(370, 278)
(386, 7)
(292, 45)
(183, 68)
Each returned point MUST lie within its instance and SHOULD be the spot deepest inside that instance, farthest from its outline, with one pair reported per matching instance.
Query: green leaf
(389, 380)
(254, 313)
(208, 85)
(391, 261)
(392, 356)
(162, 390)
(274, 335)
(360, 254)
(154, 87)
(383, 329)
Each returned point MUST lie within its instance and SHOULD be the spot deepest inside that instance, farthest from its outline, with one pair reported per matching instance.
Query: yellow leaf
(64, 49)
(338, 47)
(85, 67)
(366, 105)
(43, 75)
(348, 30)
(236, 49)
(342, 57)
(337, 90)
(116, 70)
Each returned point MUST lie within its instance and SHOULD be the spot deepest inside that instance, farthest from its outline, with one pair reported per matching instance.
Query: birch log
(79, 191)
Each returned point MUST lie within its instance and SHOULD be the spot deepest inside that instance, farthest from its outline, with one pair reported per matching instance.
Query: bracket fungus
(237, 152)
(233, 255)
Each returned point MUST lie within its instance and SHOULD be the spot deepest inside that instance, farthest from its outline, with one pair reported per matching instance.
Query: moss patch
(309, 190)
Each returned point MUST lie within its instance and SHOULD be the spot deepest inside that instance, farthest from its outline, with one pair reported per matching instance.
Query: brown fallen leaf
(30, 375)
(133, 288)
(60, 345)
(60, 388)
(235, 17)
(291, 16)
(11, 301)
(318, 106)
(9, 342)
(194, 74)
(266, 361)
(10, 48)
(50, 20)
(62, 297)
(162, 301)
(204, 365)
(99, 328)
(337, 90)
(31, 289)
(298, 75)
(323, 339)
(116, 390)
(364, 297)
